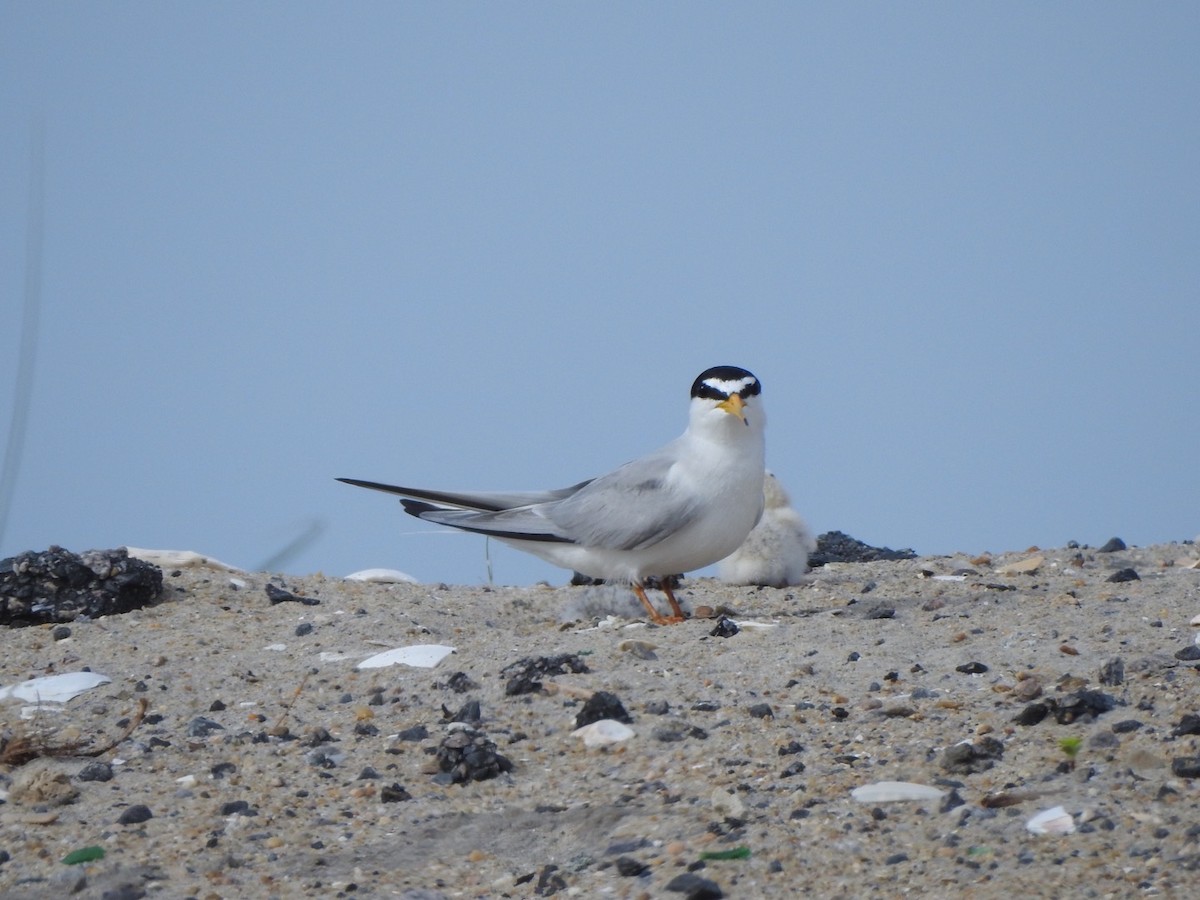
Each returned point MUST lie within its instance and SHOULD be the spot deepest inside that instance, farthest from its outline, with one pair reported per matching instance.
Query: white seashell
(949, 577)
(424, 656)
(186, 780)
(1051, 821)
(891, 791)
(55, 688)
(178, 559)
(238, 584)
(332, 656)
(603, 732)
(276, 647)
(1196, 621)
(754, 626)
(382, 576)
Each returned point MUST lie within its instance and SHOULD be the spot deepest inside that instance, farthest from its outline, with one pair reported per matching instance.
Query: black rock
(726, 628)
(237, 808)
(880, 612)
(1125, 726)
(367, 774)
(60, 632)
(1032, 714)
(1080, 704)
(952, 800)
(761, 711)
(656, 707)
(460, 683)
(95, 771)
(835, 546)
(1123, 575)
(416, 733)
(469, 713)
(602, 705)
(1186, 766)
(57, 585)
(467, 755)
(394, 793)
(971, 668)
(304, 628)
(791, 747)
(630, 867)
(794, 769)
(549, 882)
(1112, 672)
(523, 675)
(201, 727)
(135, 814)
(967, 759)
(1189, 724)
(1190, 653)
(1112, 546)
(221, 769)
(277, 594)
(693, 887)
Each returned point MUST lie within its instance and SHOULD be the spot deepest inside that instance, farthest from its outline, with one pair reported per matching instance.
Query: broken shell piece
(1026, 566)
(603, 732)
(55, 688)
(423, 656)
(1196, 621)
(178, 559)
(382, 576)
(891, 791)
(759, 626)
(1051, 821)
(640, 649)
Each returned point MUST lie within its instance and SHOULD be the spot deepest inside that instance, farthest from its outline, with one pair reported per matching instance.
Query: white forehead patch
(730, 387)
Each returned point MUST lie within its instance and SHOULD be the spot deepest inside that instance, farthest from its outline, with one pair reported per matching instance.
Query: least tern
(680, 508)
(776, 552)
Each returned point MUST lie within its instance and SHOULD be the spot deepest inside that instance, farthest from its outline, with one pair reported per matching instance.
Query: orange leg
(666, 589)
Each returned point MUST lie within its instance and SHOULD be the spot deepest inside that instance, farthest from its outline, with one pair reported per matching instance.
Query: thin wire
(27, 354)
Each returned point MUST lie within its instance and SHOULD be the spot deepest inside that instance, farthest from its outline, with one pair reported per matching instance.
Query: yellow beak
(733, 406)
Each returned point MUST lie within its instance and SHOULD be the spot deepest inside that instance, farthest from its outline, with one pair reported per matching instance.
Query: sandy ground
(257, 728)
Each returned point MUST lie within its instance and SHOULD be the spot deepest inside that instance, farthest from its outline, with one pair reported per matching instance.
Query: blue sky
(490, 246)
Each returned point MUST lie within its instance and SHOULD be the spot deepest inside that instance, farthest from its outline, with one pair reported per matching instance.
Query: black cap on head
(722, 382)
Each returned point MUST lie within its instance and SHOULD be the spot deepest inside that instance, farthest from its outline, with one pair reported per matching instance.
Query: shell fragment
(423, 656)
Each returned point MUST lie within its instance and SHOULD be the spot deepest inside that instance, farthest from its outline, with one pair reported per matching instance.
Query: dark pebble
(761, 711)
(216, 706)
(656, 708)
(1082, 704)
(1103, 740)
(791, 747)
(367, 774)
(277, 594)
(1112, 672)
(134, 815)
(952, 800)
(237, 808)
(966, 759)
(523, 675)
(1186, 766)
(1123, 575)
(56, 585)
(837, 546)
(394, 793)
(630, 867)
(726, 628)
(1112, 546)
(693, 887)
(1126, 725)
(839, 712)
(794, 769)
(95, 771)
(60, 632)
(549, 882)
(896, 858)
(220, 770)
(201, 727)
(880, 612)
(467, 755)
(706, 706)
(1189, 724)
(602, 705)
(971, 668)
(854, 656)
(460, 683)
(470, 713)
(1190, 653)
(304, 628)
(1032, 714)
(416, 733)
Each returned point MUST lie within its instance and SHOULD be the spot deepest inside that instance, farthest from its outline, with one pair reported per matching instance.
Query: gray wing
(628, 509)
(491, 501)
